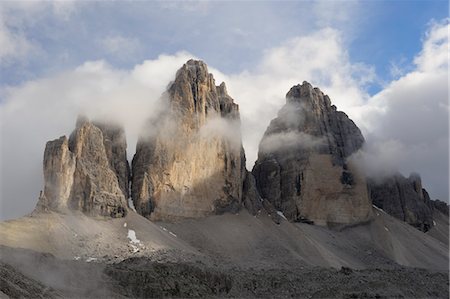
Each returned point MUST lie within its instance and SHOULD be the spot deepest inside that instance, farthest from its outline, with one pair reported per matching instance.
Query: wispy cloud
(120, 46)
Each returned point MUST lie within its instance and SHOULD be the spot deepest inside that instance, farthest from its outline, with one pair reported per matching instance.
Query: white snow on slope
(282, 215)
(132, 237)
(131, 204)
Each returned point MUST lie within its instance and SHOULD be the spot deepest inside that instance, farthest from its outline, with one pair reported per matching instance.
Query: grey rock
(115, 143)
(252, 201)
(403, 198)
(435, 205)
(302, 167)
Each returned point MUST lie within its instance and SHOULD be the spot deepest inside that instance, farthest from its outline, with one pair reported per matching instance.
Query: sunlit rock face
(83, 173)
(302, 167)
(190, 162)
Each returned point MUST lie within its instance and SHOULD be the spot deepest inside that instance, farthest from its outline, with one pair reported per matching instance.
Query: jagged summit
(87, 172)
(302, 167)
(193, 163)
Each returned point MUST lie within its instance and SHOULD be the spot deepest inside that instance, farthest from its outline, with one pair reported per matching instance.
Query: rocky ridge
(405, 199)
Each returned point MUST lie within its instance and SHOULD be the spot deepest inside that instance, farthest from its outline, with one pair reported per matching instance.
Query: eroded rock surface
(85, 172)
(405, 199)
(302, 169)
(190, 161)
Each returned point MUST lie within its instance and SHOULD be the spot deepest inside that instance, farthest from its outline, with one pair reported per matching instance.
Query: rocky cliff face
(190, 161)
(302, 169)
(86, 172)
(405, 199)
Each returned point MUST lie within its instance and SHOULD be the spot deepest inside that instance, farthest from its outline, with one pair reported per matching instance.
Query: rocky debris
(273, 213)
(403, 198)
(302, 167)
(142, 278)
(190, 161)
(79, 174)
(14, 284)
(46, 276)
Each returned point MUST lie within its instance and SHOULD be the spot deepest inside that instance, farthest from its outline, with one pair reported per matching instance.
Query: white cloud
(406, 124)
(435, 51)
(335, 13)
(15, 16)
(14, 44)
(120, 46)
(289, 140)
(319, 58)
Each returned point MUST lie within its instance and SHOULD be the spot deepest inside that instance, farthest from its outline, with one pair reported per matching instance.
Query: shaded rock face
(436, 205)
(84, 172)
(190, 161)
(115, 143)
(302, 169)
(252, 201)
(405, 199)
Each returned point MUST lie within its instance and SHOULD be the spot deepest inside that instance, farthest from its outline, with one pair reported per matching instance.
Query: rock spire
(302, 167)
(190, 161)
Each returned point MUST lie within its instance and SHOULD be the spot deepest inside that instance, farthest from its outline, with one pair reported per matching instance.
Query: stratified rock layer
(85, 172)
(302, 169)
(405, 199)
(190, 161)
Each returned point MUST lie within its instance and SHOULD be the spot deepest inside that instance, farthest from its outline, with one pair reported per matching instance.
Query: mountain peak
(80, 173)
(198, 169)
(302, 164)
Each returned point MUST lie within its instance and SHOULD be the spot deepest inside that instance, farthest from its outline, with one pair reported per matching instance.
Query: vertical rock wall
(80, 175)
(302, 169)
(190, 162)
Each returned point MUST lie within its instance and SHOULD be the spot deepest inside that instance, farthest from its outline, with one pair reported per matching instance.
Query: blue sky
(385, 63)
(230, 35)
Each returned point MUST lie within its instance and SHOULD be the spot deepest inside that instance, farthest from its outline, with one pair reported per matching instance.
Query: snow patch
(132, 237)
(131, 204)
(434, 223)
(125, 224)
(378, 208)
(282, 215)
(166, 230)
(77, 258)
(91, 259)
(134, 243)
(386, 228)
